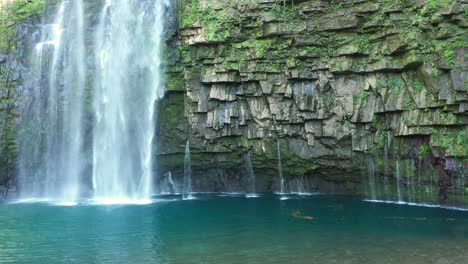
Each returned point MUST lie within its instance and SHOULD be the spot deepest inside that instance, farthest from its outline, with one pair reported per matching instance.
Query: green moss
(395, 85)
(283, 10)
(255, 47)
(175, 82)
(188, 12)
(418, 86)
(453, 141)
(434, 5)
(361, 97)
(11, 14)
(409, 102)
(382, 140)
(423, 151)
(363, 42)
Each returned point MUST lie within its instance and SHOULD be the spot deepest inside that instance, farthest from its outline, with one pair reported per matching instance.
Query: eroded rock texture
(328, 80)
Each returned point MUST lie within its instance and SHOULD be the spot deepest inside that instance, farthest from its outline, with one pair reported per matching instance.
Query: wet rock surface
(328, 80)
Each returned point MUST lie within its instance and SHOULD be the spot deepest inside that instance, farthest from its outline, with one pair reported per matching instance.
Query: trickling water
(300, 185)
(187, 193)
(398, 177)
(167, 185)
(250, 173)
(371, 175)
(51, 137)
(104, 74)
(171, 182)
(280, 168)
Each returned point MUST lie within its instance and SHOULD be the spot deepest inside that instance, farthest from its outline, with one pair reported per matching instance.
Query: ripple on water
(417, 204)
(213, 229)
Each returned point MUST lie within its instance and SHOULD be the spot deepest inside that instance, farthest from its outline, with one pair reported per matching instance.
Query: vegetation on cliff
(12, 13)
(328, 79)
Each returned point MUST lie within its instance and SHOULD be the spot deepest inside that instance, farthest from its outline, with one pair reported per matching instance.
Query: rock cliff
(355, 96)
(329, 82)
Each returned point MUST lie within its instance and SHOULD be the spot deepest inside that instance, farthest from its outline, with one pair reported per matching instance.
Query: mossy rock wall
(17, 19)
(326, 80)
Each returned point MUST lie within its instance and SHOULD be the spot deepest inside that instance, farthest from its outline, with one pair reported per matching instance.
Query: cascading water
(51, 137)
(300, 185)
(167, 184)
(101, 75)
(187, 193)
(128, 84)
(280, 168)
(371, 175)
(250, 173)
(398, 178)
(408, 181)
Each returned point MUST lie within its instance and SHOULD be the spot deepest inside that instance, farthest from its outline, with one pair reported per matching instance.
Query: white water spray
(51, 138)
(98, 74)
(187, 193)
(250, 173)
(280, 168)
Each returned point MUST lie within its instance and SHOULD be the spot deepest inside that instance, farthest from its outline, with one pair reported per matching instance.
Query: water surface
(233, 229)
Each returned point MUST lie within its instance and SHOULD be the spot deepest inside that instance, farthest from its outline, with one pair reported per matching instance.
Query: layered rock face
(361, 97)
(326, 81)
(18, 21)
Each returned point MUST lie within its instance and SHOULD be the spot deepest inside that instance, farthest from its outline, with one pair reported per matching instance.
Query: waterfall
(250, 173)
(398, 177)
(51, 136)
(167, 185)
(280, 168)
(89, 110)
(171, 182)
(127, 51)
(371, 175)
(410, 179)
(301, 185)
(187, 193)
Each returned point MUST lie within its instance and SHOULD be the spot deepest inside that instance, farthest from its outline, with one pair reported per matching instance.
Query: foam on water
(418, 204)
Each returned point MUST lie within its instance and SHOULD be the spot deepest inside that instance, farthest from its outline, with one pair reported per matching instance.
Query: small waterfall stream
(300, 185)
(371, 175)
(398, 178)
(280, 169)
(250, 174)
(187, 193)
(167, 184)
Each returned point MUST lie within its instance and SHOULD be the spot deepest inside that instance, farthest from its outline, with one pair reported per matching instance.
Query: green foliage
(449, 56)
(382, 140)
(363, 42)
(361, 97)
(14, 12)
(434, 5)
(8, 152)
(259, 47)
(188, 12)
(183, 51)
(11, 14)
(336, 5)
(454, 142)
(423, 151)
(262, 46)
(215, 22)
(418, 86)
(409, 102)
(283, 10)
(395, 85)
